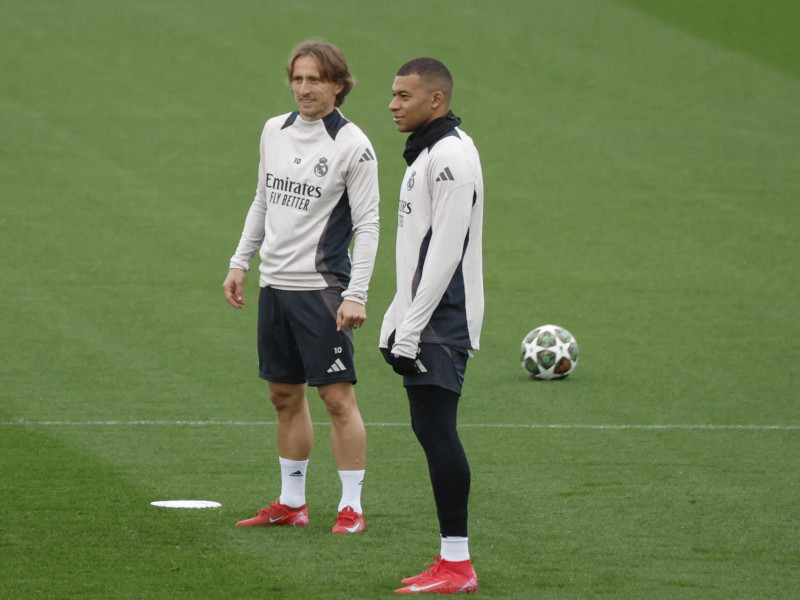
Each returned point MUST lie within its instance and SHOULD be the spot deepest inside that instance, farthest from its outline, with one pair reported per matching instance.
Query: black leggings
(433, 419)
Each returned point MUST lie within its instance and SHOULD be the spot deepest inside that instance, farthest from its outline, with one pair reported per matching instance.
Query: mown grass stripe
(685, 426)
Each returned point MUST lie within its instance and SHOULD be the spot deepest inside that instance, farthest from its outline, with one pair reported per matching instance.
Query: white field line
(29, 423)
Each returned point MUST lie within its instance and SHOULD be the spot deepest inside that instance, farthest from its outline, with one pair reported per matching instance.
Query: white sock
(293, 482)
(455, 548)
(352, 481)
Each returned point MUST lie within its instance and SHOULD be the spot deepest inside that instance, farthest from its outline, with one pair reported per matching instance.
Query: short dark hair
(332, 65)
(431, 71)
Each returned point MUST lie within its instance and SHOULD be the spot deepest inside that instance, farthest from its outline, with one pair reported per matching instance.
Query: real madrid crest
(410, 183)
(321, 168)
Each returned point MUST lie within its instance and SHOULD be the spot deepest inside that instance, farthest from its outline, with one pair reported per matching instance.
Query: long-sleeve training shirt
(439, 296)
(317, 188)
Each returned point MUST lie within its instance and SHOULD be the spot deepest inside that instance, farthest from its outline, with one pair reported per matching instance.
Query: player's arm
(250, 241)
(388, 326)
(364, 196)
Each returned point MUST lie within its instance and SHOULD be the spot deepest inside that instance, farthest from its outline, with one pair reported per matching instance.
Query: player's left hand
(350, 315)
(402, 365)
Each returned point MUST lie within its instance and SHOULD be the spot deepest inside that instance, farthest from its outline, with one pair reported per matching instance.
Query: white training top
(439, 262)
(317, 187)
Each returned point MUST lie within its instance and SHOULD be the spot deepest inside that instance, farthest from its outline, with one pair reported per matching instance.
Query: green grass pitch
(641, 166)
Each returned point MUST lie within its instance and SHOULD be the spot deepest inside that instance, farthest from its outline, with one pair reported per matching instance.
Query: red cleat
(415, 578)
(444, 577)
(277, 514)
(349, 521)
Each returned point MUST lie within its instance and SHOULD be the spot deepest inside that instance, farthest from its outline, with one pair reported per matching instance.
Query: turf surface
(640, 161)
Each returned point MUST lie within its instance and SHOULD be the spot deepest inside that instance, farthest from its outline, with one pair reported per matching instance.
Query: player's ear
(437, 99)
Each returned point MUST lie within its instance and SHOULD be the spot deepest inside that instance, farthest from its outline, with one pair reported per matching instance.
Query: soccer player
(434, 321)
(317, 190)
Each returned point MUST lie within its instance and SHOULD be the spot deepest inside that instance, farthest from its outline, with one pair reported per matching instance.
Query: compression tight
(433, 419)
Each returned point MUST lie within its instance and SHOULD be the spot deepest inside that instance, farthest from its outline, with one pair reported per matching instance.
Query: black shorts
(297, 338)
(444, 366)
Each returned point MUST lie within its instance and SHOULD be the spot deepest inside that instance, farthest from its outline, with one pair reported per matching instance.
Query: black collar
(333, 122)
(428, 135)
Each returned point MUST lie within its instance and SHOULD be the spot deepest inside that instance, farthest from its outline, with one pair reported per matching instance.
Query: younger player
(434, 321)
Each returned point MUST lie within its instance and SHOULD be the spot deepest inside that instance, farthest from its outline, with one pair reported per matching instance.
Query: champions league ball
(549, 352)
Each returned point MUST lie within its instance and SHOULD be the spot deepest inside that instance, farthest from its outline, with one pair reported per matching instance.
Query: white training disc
(187, 503)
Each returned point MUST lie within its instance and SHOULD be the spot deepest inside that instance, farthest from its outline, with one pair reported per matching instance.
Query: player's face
(315, 98)
(413, 105)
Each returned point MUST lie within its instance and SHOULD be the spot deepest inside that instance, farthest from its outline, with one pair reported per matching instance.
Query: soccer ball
(549, 352)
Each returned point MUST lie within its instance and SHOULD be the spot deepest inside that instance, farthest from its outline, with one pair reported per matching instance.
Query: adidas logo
(296, 474)
(446, 175)
(367, 156)
(337, 366)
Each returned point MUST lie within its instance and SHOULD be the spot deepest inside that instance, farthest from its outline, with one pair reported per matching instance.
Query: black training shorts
(297, 338)
(443, 366)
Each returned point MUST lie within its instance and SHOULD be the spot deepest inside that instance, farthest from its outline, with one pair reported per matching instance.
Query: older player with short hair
(317, 190)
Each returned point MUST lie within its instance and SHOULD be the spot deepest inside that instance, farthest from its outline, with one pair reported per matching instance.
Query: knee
(434, 436)
(425, 433)
(340, 401)
(285, 398)
(339, 407)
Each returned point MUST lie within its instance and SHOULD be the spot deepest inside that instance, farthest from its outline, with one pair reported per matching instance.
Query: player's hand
(350, 315)
(403, 365)
(234, 288)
